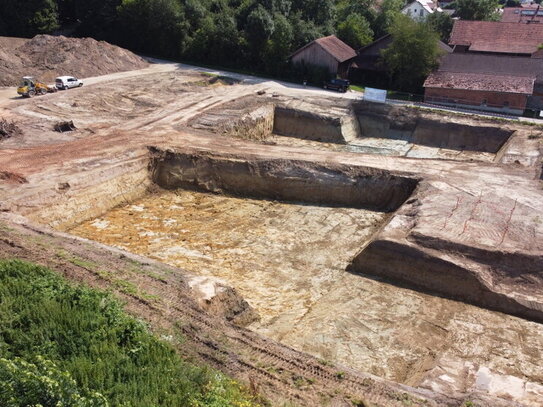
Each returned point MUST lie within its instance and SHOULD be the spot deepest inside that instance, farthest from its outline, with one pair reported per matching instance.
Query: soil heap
(47, 57)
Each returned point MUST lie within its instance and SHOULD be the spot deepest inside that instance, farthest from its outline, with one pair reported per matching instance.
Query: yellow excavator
(31, 87)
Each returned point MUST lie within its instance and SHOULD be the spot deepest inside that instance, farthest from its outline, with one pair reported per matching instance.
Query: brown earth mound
(47, 57)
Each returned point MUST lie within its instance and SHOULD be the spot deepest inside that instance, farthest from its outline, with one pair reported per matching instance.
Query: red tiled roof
(334, 46)
(337, 48)
(496, 36)
(480, 82)
(491, 64)
(522, 14)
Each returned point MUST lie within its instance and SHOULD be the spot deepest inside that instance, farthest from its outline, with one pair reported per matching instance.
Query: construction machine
(30, 87)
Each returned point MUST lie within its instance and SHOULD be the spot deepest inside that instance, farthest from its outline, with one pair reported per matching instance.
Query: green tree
(477, 10)
(304, 31)
(388, 13)
(155, 27)
(365, 8)
(279, 46)
(30, 18)
(97, 18)
(442, 23)
(355, 31)
(260, 25)
(412, 54)
(320, 12)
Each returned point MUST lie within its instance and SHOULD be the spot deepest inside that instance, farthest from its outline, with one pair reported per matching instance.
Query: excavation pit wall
(285, 180)
(313, 126)
(429, 128)
(372, 121)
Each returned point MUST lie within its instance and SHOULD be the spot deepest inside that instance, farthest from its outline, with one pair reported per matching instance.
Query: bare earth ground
(291, 257)
(288, 261)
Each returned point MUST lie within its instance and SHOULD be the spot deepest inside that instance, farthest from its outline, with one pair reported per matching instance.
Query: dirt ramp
(47, 57)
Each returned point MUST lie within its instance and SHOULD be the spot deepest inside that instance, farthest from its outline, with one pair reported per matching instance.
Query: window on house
(484, 102)
(506, 104)
(421, 12)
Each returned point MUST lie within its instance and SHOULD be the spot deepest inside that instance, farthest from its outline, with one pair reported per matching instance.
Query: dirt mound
(47, 57)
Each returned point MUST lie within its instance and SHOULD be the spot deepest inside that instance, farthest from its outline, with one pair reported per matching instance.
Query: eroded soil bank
(288, 261)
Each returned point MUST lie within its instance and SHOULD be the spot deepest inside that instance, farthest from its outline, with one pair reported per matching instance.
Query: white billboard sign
(375, 95)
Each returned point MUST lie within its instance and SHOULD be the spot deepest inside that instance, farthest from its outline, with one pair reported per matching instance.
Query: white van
(67, 82)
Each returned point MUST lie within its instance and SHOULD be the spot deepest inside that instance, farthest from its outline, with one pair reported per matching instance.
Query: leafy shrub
(83, 336)
(41, 383)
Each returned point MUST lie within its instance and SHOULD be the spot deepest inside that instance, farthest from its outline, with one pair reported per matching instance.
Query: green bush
(41, 383)
(57, 330)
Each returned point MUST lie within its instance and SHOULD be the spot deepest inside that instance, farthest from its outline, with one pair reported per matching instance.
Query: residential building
(496, 37)
(498, 83)
(529, 14)
(420, 9)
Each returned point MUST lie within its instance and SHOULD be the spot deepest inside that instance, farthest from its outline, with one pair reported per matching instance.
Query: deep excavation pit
(282, 233)
(359, 127)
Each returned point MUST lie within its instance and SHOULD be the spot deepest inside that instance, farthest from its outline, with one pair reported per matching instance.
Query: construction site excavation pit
(285, 246)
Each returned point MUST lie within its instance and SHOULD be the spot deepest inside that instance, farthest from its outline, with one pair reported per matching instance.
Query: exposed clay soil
(61, 179)
(288, 261)
(47, 57)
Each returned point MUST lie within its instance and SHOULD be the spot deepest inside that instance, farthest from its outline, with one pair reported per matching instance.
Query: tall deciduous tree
(442, 23)
(355, 31)
(413, 53)
(28, 18)
(477, 9)
(390, 9)
(153, 26)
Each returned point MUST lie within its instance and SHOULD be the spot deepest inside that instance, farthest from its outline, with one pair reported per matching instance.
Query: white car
(67, 82)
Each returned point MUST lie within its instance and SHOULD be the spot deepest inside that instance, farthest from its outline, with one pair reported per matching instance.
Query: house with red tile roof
(498, 83)
(496, 37)
(327, 52)
(528, 14)
(494, 66)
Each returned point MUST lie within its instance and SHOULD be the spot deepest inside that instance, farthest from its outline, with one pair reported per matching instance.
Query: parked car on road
(67, 82)
(340, 85)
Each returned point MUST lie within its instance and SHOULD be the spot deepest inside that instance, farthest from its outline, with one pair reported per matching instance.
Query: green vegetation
(357, 88)
(238, 34)
(413, 53)
(63, 345)
(245, 35)
(442, 23)
(477, 9)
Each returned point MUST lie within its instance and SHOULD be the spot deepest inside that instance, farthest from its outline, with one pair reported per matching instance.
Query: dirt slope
(47, 57)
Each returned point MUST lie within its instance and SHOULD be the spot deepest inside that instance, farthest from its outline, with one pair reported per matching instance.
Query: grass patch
(357, 88)
(75, 346)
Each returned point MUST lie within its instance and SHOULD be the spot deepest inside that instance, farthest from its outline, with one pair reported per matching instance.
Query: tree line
(256, 35)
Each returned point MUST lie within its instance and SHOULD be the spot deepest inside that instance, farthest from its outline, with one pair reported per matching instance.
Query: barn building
(508, 84)
(496, 37)
(327, 52)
